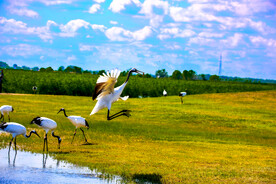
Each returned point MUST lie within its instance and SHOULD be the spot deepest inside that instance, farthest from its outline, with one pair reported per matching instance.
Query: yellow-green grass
(211, 138)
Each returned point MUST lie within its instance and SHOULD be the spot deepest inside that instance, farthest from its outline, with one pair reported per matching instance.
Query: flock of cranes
(104, 93)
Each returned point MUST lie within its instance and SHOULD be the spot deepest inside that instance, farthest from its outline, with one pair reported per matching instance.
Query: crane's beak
(59, 111)
(140, 72)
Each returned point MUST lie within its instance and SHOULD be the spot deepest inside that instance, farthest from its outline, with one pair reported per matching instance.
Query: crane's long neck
(27, 136)
(128, 75)
(65, 113)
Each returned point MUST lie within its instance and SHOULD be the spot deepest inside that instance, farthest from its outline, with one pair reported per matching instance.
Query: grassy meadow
(211, 138)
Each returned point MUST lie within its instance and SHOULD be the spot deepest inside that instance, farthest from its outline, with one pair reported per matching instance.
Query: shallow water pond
(27, 167)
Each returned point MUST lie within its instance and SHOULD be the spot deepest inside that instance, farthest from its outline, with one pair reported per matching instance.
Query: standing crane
(106, 94)
(164, 93)
(48, 125)
(15, 129)
(78, 122)
(181, 94)
(5, 109)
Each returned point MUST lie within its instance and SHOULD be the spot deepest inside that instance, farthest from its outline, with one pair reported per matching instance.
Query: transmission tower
(220, 62)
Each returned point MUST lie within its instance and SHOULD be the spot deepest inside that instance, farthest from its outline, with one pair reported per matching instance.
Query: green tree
(176, 74)
(61, 68)
(203, 77)
(42, 69)
(214, 78)
(161, 73)
(185, 74)
(191, 74)
(49, 69)
(101, 72)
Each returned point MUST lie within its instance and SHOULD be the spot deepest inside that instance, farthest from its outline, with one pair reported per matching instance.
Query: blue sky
(148, 35)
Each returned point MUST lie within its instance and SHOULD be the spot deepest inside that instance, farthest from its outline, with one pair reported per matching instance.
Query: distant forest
(184, 75)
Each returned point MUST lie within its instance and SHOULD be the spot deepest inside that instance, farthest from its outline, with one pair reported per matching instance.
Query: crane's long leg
(59, 139)
(9, 150)
(181, 100)
(15, 151)
(45, 143)
(9, 118)
(121, 113)
(15, 143)
(10, 145)
(74, 135)
(2, 117)
(83, 135)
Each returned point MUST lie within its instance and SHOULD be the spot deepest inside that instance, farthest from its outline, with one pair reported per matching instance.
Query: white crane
(181, 94)
(78, 122)
(106, 94)
(48, 125)
(15, 129)
(164, 93)
(6, 109)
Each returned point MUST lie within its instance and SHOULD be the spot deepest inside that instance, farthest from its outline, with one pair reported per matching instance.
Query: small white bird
(6, 109)
(181, 94)
(48, 125)
(105, 94)
(15, 129)
(164, 93)
(78, 122)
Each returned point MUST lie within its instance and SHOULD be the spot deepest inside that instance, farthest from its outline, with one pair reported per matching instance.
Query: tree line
(77, 84)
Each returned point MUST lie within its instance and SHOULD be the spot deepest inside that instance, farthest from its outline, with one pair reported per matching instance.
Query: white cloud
(23, 12)
(12, 26)
(142, 33)
(113, 22)
(210, 35)
(94, 8)
(118, 5)
(69, 30)
(71, 58)
(233, 41)
(99, 1)
(148, 5)
(258, 40)
(155, 17)
(120, 34)
(55, 2)
(23, 50)
(102, 28)
(175, 32)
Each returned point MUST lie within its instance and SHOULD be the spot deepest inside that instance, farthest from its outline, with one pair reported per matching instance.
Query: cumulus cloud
(175, 32)
(233, 41)
(71, 58)
(23, 50)
(102, 28)
(12, 26)
(118, 5)
(113, 22)
(23, 12)
(94, 8)
(155, 17)
(258, 40)
(69, 29)
(99, 1)
(120, 34)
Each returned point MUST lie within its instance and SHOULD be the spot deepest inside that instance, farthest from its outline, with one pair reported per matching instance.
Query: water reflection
(27, 167)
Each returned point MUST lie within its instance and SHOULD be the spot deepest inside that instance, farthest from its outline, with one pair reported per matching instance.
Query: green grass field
(211, 138)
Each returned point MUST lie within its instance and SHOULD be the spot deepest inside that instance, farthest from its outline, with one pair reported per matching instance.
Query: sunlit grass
(212, 138)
